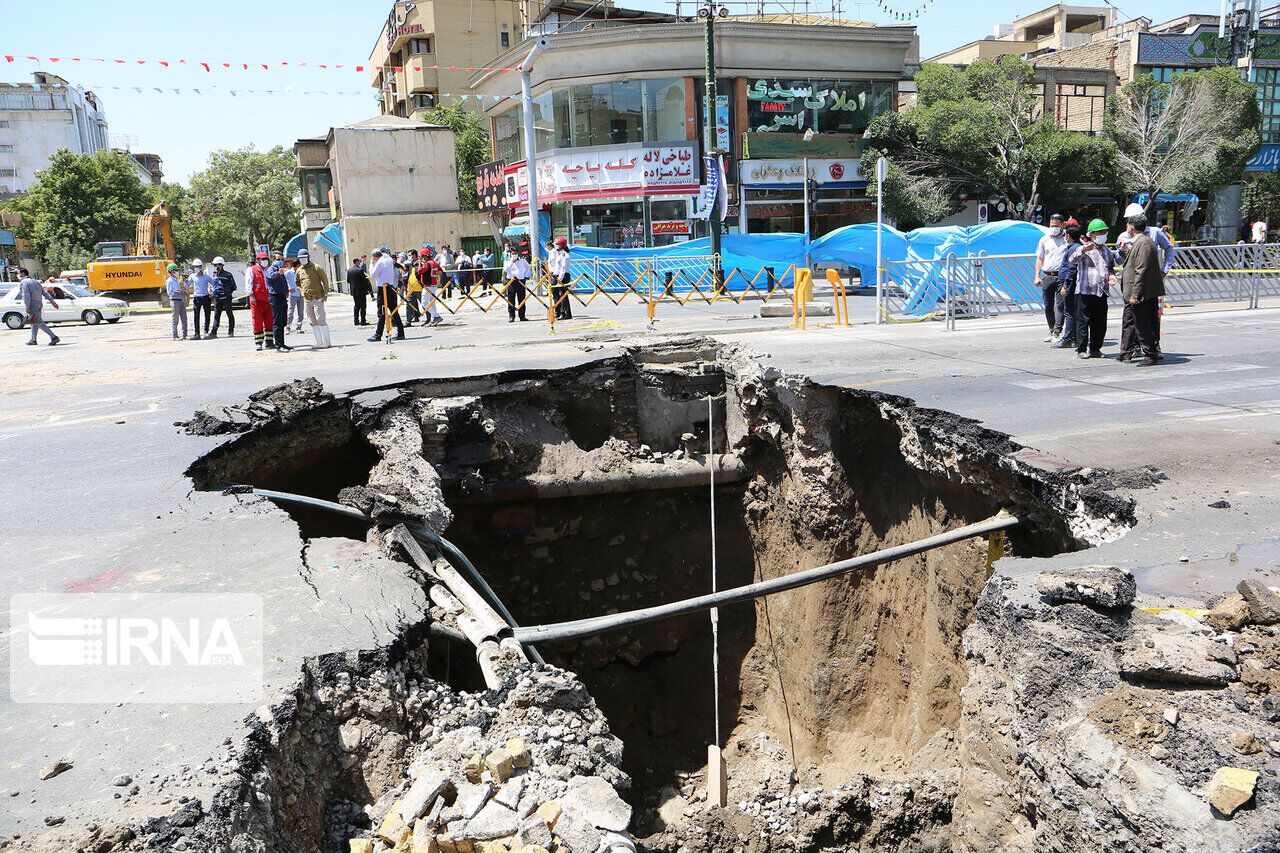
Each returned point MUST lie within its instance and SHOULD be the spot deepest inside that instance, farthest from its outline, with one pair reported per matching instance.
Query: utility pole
(709, 12)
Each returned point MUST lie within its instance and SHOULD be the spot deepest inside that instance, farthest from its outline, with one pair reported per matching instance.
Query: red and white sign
(602, 172)
(670, 227)
(764, 173)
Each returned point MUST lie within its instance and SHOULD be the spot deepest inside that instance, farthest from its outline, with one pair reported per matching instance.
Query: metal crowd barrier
(985, 285)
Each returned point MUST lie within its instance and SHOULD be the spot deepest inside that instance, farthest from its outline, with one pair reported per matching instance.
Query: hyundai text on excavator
(135, 271)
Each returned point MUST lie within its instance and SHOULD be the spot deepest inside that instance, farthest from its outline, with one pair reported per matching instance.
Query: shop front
(773, 195)
(617, 196)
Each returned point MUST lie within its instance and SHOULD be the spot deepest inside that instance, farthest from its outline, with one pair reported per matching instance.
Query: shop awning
(519, 226)
(296, 244)
(330, 238)
(1166, 198)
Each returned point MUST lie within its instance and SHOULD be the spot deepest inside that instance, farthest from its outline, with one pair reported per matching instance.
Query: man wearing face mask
(314, 284)
(1141, 284)
(1049, 252)
(224, 285)
(259, 301)
(278, 293)
(1093, 273)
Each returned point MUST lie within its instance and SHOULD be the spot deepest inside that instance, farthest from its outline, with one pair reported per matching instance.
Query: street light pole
(531, 154)
(709, 11)
(882, 171)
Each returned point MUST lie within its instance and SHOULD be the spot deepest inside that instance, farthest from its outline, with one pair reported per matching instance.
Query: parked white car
(74, 303)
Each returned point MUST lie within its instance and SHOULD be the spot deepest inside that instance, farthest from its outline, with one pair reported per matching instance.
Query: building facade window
(315, 188)
(614, 113)
(505, 38)
(824, 106)
(1268, 83)
(6, 149)
(419, 46)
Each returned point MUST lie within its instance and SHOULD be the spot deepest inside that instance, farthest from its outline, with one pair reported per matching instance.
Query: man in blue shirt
(278, 291)
(224, 285)
(295, 295)
(177, 291)
(201, 287)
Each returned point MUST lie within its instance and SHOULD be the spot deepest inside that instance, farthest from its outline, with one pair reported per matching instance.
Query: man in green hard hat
(1095, 273)
(177, 290)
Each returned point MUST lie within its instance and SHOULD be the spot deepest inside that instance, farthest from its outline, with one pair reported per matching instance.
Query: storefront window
(609, 224)
(663, 110)
(506, 137)
(824, 106)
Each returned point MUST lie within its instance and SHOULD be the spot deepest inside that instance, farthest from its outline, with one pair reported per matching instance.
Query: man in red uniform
(259, 306)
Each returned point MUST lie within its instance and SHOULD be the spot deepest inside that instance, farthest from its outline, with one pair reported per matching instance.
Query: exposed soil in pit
(582, 492)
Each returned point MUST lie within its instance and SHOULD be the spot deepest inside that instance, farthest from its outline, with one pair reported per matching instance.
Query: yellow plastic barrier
(838, 296)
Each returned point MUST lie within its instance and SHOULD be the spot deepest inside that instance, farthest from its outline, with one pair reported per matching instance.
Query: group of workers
(1076, 269)
(279, 294)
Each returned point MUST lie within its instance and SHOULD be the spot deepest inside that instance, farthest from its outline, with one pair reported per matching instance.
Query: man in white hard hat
(224, 288)
(1163, 245)
(201, 287)
(313, 282)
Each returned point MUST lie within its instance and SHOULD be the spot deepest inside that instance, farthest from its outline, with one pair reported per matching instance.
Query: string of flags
(245, 66)
(903, 14)
(219, 90)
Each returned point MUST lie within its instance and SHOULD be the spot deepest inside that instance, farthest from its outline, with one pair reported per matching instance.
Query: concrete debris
(275, 404)
(596, 802)
(1178, 659)
(1245, 743)
(1230, 614)
(534, 830)
(494, 821)
(55, 768)
(1264, 605)
(422, 794)
(1230, 789)
(1099, 586)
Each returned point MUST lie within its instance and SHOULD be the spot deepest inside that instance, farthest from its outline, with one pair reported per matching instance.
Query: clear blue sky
(184, 128)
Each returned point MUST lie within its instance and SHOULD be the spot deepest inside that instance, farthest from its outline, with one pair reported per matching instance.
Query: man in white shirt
(385, 277)
(177, 290)
(1260, 231)
(516, 272)
(1049, 252)
(558, 266)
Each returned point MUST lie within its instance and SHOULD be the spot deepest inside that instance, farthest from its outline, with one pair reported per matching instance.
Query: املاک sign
(767, 173)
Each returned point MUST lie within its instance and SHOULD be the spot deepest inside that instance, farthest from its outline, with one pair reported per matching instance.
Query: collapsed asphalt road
(191, 542)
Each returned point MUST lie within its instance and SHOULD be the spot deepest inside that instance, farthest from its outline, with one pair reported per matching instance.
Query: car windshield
(74, 289)
(14, 294)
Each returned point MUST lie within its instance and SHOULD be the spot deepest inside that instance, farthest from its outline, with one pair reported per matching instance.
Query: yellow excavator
(135, 271)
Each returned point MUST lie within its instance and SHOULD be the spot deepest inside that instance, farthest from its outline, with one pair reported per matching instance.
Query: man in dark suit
(1141, 284)
(358, 282)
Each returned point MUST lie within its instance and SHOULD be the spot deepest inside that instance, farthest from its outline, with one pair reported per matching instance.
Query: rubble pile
(276, 404)
(1119, 726)
(532, 768)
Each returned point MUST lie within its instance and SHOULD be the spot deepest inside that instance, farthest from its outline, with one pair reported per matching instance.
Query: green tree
(471, 147)
(255, 192)
(78, 201)
(196, 235)
(1190, 135)
(979, 132)
(1261, 198)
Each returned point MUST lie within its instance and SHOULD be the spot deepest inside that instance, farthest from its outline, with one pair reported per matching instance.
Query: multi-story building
(619, 115)
(428, 49)
(37, 119)
(386, 180)
(1055, 28)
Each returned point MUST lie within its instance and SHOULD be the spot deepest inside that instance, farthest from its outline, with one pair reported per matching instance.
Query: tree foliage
(196, 235)
(78, 201)
(1261, 198)
(1190, 135)
(979, 132)
(470, 146)
(254, 193)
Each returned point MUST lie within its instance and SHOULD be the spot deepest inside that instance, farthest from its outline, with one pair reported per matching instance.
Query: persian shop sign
(586, 173)
(491, 185)
(396, 23)
(669, 227)
(1266, 160)
(791, 172)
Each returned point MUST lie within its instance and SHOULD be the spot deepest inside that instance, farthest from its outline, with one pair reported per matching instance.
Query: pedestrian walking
(1049, 252)
(201, 287)
(278, 295)
(33, 298)
(313, 284)
(558, 266)
(224, 288)
(260, 302)
(1093, 268)
(1141, 283)
(430, 275)
(358, 284)
(177, 290)
(516, 271)
(384, 278)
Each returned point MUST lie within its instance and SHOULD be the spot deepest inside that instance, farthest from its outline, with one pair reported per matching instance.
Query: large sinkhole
(585, 491)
